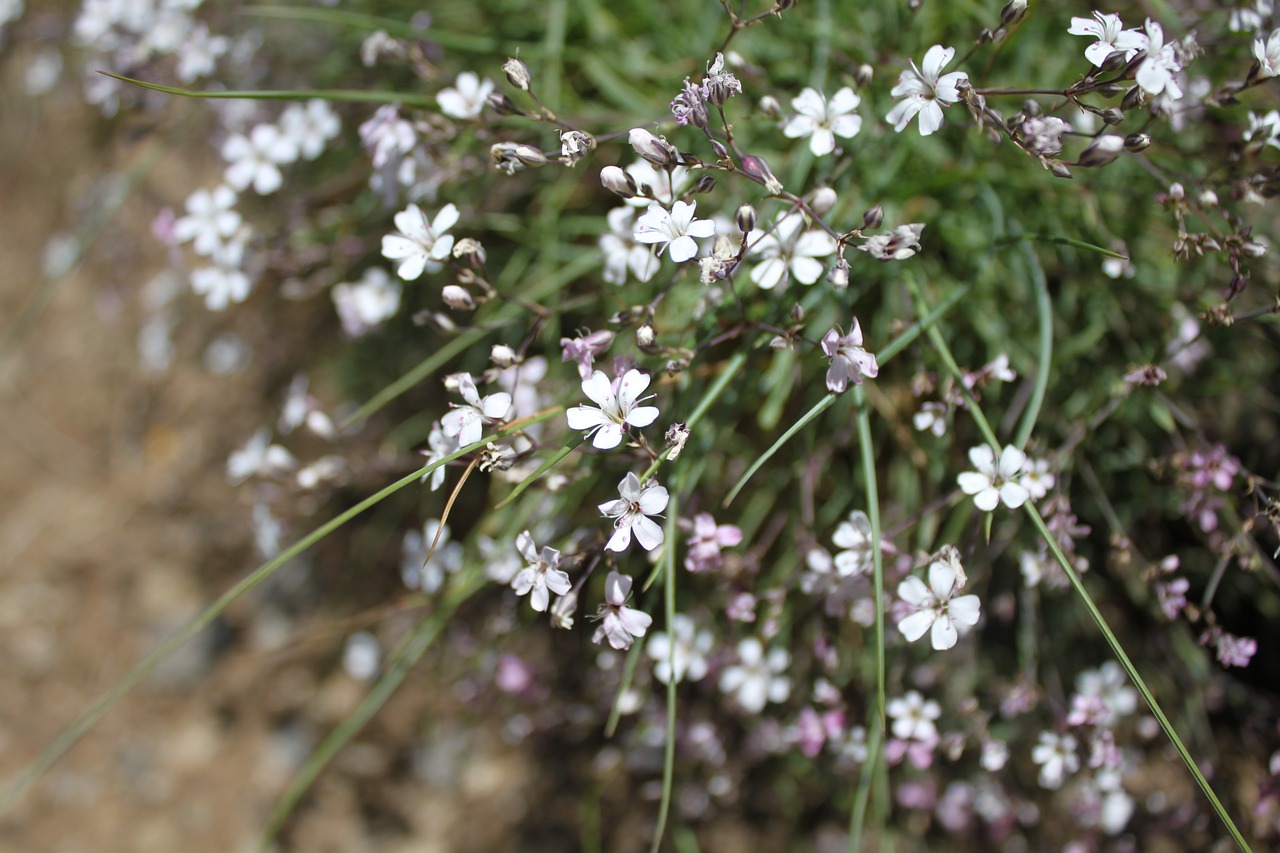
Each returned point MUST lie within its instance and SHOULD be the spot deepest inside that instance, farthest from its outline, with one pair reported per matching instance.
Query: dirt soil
(117, 524)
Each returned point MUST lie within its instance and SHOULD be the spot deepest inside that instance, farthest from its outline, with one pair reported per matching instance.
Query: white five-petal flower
(620, 624)
(995, 482)
(615, 407)
(542, 576)
(631, 513)
(1156, 73)
(467, 97)
(420, 245)
(822, 120)
(937, 608)
(1268, 55)
(1110, 34)
(849, 361)
(675, 229)
(684, 650)
(255, 159)
(790, 250)
(211, 218)
(924, 91)
(467, 421)
(757, 679)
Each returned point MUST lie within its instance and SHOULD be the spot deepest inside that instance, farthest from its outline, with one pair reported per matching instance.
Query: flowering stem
(668, 564)
(877, 558)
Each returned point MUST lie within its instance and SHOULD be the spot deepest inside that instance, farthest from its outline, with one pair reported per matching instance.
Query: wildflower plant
(620, 220)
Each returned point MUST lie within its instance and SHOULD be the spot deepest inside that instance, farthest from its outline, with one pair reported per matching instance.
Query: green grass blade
(1063, 241)
(1044, 358)
(818, 408)
(348, 95)
(418, 373)
(668, 561)
(875, 743)
(873, 515)
(572, 443)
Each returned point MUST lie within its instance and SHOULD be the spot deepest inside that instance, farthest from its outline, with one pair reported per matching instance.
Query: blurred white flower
(256, 159)
(428, 575)
(822, 120)
(1056, 755)
(685, 647)
(467, 97)
(757, 679)
(995, 482)
(310, 126)
(368, 303)
(211, 218)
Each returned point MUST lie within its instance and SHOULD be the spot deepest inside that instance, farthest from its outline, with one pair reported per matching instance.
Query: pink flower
(620, 624)
(707, 540)
(849, 361)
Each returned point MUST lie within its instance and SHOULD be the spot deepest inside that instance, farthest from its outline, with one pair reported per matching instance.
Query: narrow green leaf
(348, 95)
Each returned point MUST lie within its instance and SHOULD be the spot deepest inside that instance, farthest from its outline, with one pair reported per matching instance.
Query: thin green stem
(669, 605)
(873, 515)
(346, 95)
(857, 819)
(1044, 313)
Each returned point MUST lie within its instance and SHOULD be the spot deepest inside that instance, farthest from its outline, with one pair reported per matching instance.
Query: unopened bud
(704, 184)
(838, 276)
(1136, 142)
(645, 336)
(756, 167)
(457, 297)
(746, 218)
(657, 151)
(797, 313)
(1013, 12)
(1110, 90)
(783, 5)
(1102, 150)
(1031, 108)
(1253, 250)
(1059, 169)
(618, 182)
(503, 356)
(873, 218)
(864, 75)
(1112, 115)
(562, 610)
(720, 151)
(1177, 192)
(1208, 198)
(822, 200)
(770, 107)
(511, 157)
(502, 105)
(517, 74)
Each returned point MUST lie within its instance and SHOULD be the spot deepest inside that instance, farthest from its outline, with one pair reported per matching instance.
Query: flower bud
(746, 218)
(1112, 115)
(1059, 169)
(1253, 249)
(517, 74)
(657, 151)
(1013, 12)
(645, 336)
(721, 152)
(503, 356)
(770, 107)
(502, 105)
(873, 218)
(1136, 142)
(1110, 90)
(618, 182)
(756, 167)
(864, 75)
(838, 276)
(457, 297)
(797, 313)
(704, 184)
(1102, 150)
(562, 610)
(470, 250)
(1208, 198)
(1031, 108)
(822, 200)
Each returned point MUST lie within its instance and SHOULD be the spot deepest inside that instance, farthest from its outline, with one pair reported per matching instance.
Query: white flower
(898, 245)
(1268, 55)
(1156, 73)
(622, 252)
(932, 417)
(686, 647)
(420, 245)
(467, 421)
(258, 457)
(1056, 755)
(913, 717)
(849, 361)
(620, 624)
(790, 248)
(676, 229)
(424, 574)
(1264, 128)
(936, 606)
(224, 282)
(616, 410)
(440, 446)
(925, 91)
(822, 121)
(854, 536)
(256, 159)
(309, 127)
(632, 510)
(466, 98)
(757, 679)
(1037, 479)
(1110, 34)
(367, 304)
(662, 184)
(211, 218)
(1110, 685)
(361, 656)
(541, 576)
(994, 482)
